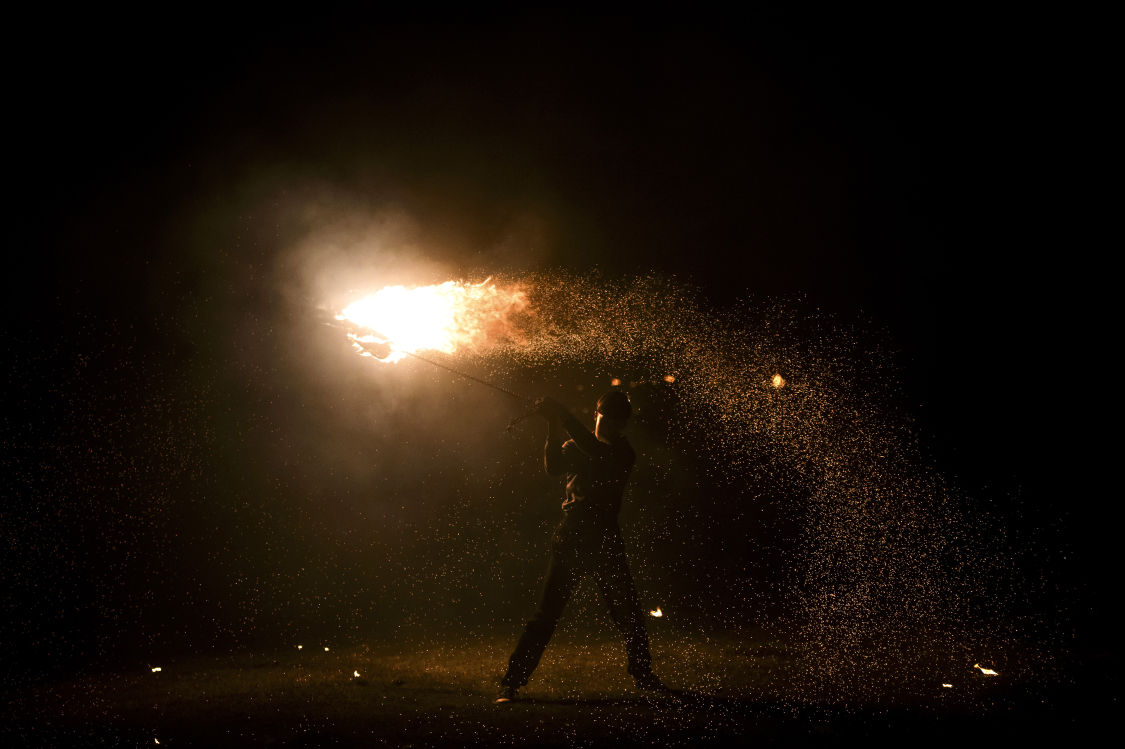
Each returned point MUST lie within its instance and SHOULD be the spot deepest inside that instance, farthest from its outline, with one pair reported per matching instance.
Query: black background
(916, 168)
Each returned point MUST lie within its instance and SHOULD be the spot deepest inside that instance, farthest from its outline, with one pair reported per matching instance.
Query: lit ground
(735, 690)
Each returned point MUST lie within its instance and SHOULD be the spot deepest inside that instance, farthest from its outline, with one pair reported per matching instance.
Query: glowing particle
(325, 648)
(669, 378)
(300, 647)
(985, 671)
(656, 612)
(615, 382)
(947, 685)
(778, 381)
(355, 674)
(155, 669)
(156, 741)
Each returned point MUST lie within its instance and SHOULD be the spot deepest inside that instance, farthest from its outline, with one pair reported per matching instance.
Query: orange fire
(985, 671)
(442, 317)
(656, 612)
(778, 381)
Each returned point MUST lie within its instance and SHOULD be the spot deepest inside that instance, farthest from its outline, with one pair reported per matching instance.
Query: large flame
(443, 317)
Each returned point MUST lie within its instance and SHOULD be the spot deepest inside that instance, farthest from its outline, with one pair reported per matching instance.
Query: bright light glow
(669, 378)
(656, 612)
(615, 382)
(985, 671)
(355, 674)
(778, 381)
(299, 647)
(155, 669)
(325, 648)
(443, 317)
(947, 685)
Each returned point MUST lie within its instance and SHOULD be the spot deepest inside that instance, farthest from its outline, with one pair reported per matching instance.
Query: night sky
(193, 463)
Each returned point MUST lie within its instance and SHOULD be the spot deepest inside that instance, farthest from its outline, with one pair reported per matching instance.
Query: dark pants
(575, 552)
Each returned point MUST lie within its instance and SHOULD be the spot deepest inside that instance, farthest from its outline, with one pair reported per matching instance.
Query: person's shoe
(506, 693)
(647, 681)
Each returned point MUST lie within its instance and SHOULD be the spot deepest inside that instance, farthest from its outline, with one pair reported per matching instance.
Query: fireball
(400, 321)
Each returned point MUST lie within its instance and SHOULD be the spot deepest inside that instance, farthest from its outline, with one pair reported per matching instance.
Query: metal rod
(524, 400)
(478, 380)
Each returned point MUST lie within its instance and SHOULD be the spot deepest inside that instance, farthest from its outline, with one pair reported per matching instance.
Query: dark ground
(734, 689)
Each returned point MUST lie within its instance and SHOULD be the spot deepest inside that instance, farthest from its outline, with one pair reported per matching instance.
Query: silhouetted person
(588, 540)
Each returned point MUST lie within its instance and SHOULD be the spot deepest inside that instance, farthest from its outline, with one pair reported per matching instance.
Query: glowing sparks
(669, 379)
(778, 381)
(355, 674)
(947, 685)
(656, 612)
(156, 669)
(615, 382)
(398, 321)
(985, 671)
(325, 648)
(300, 647)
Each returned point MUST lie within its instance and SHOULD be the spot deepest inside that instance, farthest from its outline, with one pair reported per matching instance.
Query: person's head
(612, 412)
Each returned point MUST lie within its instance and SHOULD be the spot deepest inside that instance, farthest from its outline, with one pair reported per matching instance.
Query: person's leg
(619, 593)
(563, 574)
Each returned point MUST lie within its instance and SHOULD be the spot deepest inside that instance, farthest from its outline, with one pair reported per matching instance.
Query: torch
(398, 322)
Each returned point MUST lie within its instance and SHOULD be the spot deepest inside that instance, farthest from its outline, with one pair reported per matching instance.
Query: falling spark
(985, 671)
(155, 669)
(778, 381)
(156, 741)
(656, 612)
(443, 317)
(669, 378)
(300, 647)
(355, 674)
(947, 685)
(325, 648)
(615, 382)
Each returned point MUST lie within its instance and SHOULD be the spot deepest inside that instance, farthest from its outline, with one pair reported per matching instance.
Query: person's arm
(560, 419)
(553, 459)
(583, 437)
